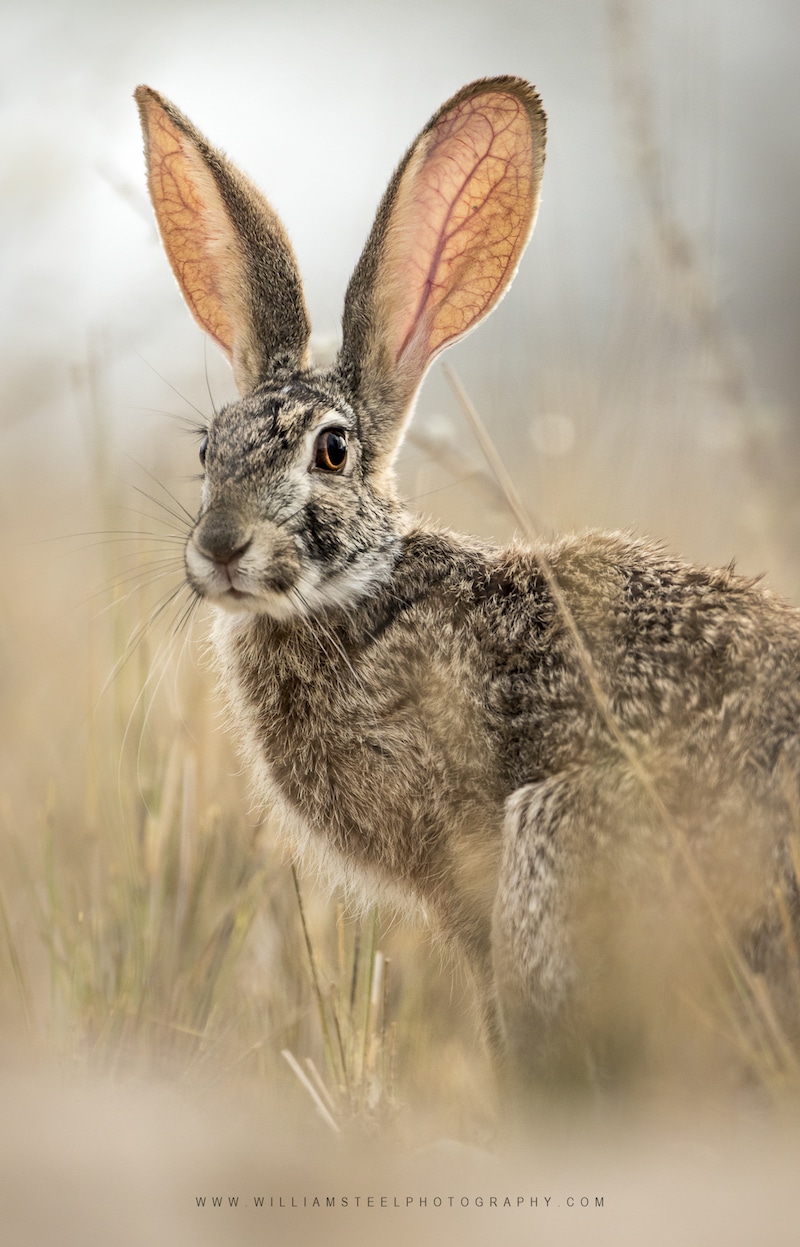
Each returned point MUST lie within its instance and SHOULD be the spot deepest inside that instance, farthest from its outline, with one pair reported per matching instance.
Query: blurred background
(643, 373)
(644, 366)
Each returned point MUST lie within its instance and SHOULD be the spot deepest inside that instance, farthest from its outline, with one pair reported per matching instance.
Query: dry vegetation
(151, 932)
(151, 925)
(153, 936)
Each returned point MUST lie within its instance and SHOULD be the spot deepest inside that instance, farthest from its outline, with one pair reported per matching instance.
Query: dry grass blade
(16, 967)
(316, 1077)
(331, 1050)
(460, 466)
(311, 1089)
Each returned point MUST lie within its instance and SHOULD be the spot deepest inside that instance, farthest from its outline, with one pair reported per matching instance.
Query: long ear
(227, 248)
(445, 245)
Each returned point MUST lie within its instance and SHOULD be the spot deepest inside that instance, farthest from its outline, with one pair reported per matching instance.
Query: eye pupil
(202, 451)
(331, 450)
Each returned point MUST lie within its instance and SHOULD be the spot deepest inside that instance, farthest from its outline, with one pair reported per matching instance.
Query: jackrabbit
(527, 743)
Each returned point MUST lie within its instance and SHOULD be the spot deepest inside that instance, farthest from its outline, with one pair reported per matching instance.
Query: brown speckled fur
(412, 702)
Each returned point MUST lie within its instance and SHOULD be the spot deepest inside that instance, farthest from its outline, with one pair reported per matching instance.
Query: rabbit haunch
(517, 740)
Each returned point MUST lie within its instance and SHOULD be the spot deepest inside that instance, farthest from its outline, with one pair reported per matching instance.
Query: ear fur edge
(228, 250)
(447, 239)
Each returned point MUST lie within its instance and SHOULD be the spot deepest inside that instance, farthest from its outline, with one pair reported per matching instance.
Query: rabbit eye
(330, 453)
(202, 451)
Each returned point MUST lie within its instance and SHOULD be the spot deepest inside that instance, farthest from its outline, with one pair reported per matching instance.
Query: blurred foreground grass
(150, 924)
(156, 961)
(157, 964)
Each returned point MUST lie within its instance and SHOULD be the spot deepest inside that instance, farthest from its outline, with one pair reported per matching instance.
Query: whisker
(192, 428)
(429, 493)
(315, 624)
(208, 379)
(282, 520)
(158, 518)
(181, 515)
(138, 635)
(106, 536)
(172, 387)
(155, 677)
(188, 611)
(143, 576)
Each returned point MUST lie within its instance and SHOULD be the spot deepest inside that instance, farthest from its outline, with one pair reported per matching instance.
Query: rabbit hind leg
(566, 945)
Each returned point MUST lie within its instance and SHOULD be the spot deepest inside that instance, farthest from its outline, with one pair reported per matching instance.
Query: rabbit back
(509, 740)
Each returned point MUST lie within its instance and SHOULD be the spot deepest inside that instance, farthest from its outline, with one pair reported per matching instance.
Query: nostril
(228, 558)
(220, 540)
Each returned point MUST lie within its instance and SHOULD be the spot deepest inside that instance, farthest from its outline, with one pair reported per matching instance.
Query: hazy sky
(317, 101)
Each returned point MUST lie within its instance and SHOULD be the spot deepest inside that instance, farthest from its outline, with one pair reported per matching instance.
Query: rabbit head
(299, 512)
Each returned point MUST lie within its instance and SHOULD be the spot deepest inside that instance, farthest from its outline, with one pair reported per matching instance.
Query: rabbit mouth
(271, 596)
(238, 589)
(277, 598)
(283, 598)
(279, 604)
(260, 571)
(243, 568)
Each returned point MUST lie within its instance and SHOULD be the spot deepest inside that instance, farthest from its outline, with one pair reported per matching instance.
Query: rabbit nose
(220, 539)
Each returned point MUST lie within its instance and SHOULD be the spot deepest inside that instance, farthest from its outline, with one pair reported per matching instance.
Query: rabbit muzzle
(243, 566)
